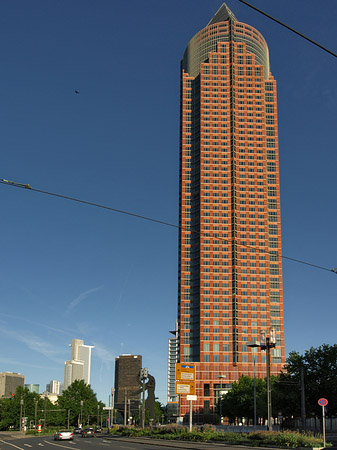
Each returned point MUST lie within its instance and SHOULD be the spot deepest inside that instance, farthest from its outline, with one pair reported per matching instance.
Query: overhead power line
(151, 219)
(289, 28)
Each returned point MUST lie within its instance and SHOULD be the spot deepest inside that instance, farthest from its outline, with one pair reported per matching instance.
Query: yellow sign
(185, 372)
(187, 387)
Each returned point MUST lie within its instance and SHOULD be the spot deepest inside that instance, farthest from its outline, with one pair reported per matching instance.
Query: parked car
(63, 434)
(77, 430)
(88, 432)
(98, 430)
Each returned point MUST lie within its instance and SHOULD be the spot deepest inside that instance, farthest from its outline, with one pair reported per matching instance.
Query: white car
(64, 434)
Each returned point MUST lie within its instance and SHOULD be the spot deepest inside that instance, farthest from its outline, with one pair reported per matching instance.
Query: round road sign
(322, 401)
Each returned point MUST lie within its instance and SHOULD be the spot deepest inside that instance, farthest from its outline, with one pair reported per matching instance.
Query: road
(105, 443)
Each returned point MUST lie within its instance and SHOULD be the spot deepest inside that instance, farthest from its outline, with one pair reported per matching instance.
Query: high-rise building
(54, 387)
(230, 271)
(9, 381)
(172, 360)
(78, 368)
(127, 384)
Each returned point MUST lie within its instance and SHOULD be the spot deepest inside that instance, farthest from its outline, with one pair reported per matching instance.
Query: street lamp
(220, 395)
(21, 406)
(81, 412)
(45, 412)
(266, 343)
(35, 401)
(254, 345)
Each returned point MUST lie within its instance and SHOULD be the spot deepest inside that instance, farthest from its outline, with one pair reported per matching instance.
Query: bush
(206, 433)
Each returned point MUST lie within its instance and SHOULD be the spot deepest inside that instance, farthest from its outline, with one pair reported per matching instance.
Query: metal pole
(35, 414)
(109, 418)
(112, 404)
(81, 413)
(129, 410)
(125, 410)
(303, 412)
(323, 413)
(190, 416)
(268, 384)
(254, 391)
(68, 419)
(143, 405)
(45, 414)
(21, 405)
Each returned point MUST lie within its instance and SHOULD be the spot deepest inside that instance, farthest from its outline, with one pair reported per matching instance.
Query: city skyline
(73, 270)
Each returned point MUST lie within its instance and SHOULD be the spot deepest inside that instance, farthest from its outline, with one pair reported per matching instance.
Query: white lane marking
(27, 445)
(40, 444)
(5, 442)
(59, 445)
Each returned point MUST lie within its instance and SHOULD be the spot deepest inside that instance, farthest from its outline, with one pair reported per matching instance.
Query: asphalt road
(102, 442)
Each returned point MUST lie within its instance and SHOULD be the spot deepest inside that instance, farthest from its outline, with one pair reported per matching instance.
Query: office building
(230, 271)
(172, 360)
(78, 368)
(127, 384)
(33, 388)
(54, 387)
(9, 382)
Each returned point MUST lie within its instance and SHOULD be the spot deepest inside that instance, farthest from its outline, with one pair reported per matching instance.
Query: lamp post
(21, 406)
(254, 345)
(45, 413)
(81, 413)
(35, 401)
(266, 343)
(220, 396)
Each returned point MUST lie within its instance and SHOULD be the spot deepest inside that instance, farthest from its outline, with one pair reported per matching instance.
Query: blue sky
(74, 271)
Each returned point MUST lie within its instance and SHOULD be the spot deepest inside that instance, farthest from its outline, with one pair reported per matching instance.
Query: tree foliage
(319, 367)
(10, 408)
(70, 400)
(320, 377)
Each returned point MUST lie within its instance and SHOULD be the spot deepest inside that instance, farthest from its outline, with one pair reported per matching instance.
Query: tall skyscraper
(127, 385)
(230, 271)
(78, 368)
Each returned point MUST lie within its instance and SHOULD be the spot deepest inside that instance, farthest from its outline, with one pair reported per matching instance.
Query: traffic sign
(185, 387)
(109, 408)
(322, 401)
(191, 397)
(185, 372)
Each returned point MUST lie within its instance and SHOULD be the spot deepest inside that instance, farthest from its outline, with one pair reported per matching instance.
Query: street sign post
(185, 383)
(323, 402)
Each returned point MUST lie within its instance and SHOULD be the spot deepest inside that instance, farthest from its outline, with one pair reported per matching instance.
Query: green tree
(10, 408)
(320, 376)
(71, 400)
(239, 401)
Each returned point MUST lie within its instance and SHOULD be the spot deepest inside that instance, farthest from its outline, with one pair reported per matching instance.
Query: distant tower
(54, 387)
(78, 368)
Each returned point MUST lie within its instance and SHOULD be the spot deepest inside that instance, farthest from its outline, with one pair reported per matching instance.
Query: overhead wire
(289, 28)
(151, 219)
